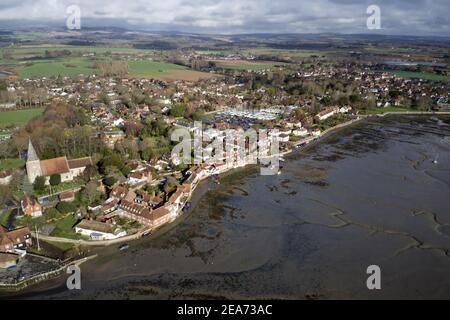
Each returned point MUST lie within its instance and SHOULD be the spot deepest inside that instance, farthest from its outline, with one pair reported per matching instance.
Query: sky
(408, 17)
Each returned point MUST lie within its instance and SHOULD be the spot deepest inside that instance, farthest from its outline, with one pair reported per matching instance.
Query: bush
(55, 179)
(39, 184)
(109, 181)
(65, 207)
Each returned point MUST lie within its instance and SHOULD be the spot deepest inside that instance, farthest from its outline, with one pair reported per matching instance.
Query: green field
(19, 116)
(387, 109)
(55, 67)
(152, 68)
(11, 163)
(84, 49)
(246, 66)
(421, 75)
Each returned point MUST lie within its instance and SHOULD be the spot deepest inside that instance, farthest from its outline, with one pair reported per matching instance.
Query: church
(67, 169)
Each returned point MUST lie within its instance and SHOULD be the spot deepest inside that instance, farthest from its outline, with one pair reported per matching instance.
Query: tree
(109, 181)
(39, 184)
(89, 172)
(178, 111)
(89, 194)
(55, 179)
(299, 114)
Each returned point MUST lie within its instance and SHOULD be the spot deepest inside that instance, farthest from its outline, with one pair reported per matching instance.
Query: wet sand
(369, 194)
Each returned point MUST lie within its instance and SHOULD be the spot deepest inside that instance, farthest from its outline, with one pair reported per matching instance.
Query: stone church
(67, 169)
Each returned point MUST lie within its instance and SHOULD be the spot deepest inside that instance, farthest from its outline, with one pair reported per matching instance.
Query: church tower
(33, 163)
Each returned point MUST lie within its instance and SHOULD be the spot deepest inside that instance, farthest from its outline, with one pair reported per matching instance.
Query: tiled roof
(79, 163)
(54, 166)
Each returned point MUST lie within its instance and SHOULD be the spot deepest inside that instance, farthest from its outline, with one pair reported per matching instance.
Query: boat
(124, 246)
(147, 233)
(435, 161)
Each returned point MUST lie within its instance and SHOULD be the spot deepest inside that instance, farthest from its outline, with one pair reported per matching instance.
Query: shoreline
(305, 144)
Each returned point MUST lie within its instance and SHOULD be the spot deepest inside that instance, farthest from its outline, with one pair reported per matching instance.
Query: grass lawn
(64, 228)
(64, 186)
(19, 116)
(388, 109)
(152, 68)
(11, 163)
(421, 75)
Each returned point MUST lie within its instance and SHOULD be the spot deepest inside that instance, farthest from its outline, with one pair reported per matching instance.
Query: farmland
(55, 67)
(245, 64)
(19, 117)
(421, 75)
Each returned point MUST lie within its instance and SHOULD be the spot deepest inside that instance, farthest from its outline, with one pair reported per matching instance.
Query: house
(122, 193)
(13, 240)
(328, 112)
(136, 212)
(67, 169)
(8, 260)
(301, 132)
(283, 137)
(161, 216)
(68, 196)
(6, 176)
(97, 230)
(30, 206)
(139, 177)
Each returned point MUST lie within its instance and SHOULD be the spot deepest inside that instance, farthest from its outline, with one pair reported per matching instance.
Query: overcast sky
(412, 17)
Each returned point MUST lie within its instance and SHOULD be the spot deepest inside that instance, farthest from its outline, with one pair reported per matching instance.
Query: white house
(96, 230)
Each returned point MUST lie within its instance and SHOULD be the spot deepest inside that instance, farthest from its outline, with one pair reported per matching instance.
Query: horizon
(347, 17)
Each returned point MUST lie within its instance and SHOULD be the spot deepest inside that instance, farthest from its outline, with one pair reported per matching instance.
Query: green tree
(109, 181)
(89, 172)
(55, 179)
(39, 184)
(178, 111)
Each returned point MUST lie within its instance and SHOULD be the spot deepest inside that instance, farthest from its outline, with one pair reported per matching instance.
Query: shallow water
(370, 194)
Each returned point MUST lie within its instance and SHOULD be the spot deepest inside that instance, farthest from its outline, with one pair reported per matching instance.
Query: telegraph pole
(37, 238)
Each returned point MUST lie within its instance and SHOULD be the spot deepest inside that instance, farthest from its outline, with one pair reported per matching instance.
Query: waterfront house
(18, 239)
(8, 260)
(97, 230)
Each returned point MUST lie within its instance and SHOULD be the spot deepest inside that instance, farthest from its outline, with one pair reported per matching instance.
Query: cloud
(417, 17)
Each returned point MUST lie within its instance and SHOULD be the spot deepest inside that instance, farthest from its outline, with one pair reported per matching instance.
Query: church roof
(54, 166)
(79, 163)
(32, 155)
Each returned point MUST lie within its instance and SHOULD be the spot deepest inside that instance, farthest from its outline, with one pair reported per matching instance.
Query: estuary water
(376, 193)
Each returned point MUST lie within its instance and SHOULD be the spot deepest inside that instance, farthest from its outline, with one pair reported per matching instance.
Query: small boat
(124, 246)
(435, 161)
(147, 233)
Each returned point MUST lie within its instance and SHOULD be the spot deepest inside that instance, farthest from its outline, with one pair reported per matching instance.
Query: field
(19, 117)
(245, 64)
(164, 71)
(11, 163)
(421, 75)
(55, 67)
